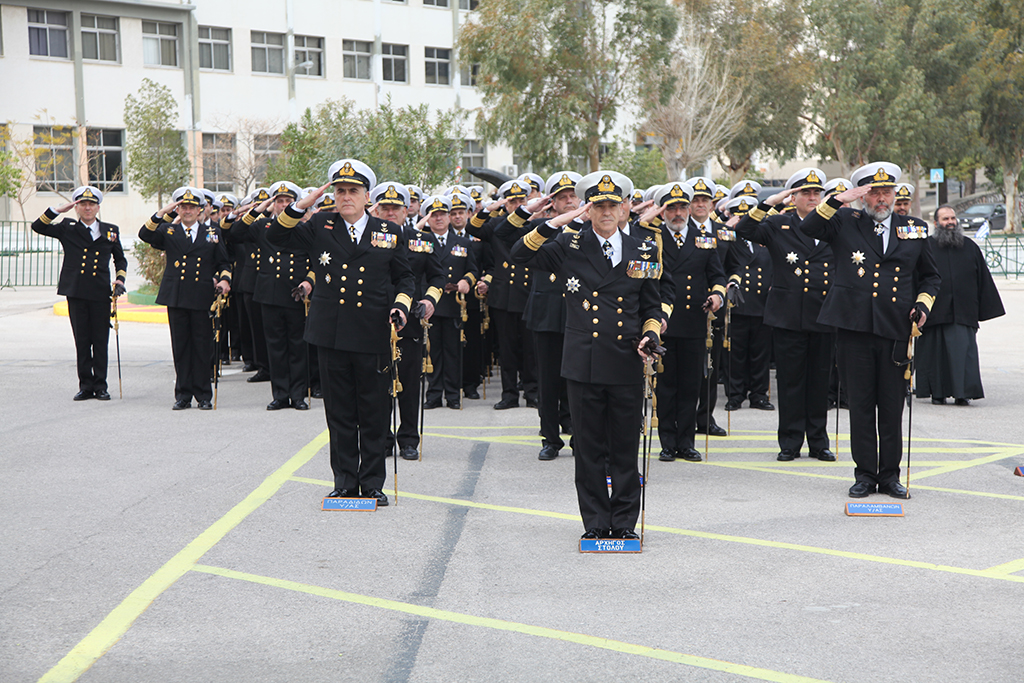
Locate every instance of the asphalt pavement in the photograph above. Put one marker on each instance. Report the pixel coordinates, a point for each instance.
(141, 544)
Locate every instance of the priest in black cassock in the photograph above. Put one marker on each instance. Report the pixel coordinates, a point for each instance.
(947, 352)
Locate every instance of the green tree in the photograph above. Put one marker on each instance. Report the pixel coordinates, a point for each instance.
(644, 166)
(407, 144)
(555, 74)
(157, 159)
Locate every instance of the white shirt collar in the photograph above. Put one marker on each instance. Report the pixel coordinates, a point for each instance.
(359, 225)
(616, 242)
(94, 229)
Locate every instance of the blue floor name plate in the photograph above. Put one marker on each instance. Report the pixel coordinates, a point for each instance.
(874, 509)
(610, 545)
(351, 504)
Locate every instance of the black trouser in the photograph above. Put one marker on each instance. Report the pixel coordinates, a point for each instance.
(90, 325)
(192, 348)
(445, 355)
(802, 361)
(473, 352)
(677, 391)
(552, 393)
(283, 327)
(410, 371)
(747, 362)
(706, 402)
(244, 329)
(356, 406)
(876, 388)
(259, 341)
(606, 432)
(313, 361)
(516, 355)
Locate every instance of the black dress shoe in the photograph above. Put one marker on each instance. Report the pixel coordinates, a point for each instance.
(594, 534)
(382, 499)
(531, 403)
(894, 489)
(689, 454)
(938, 401)
(786, 455)
(625, 534)
(825, 455)
(548, 453)
(316, 393)
(341, 493)
(431, 404)
(104, 395)
(733, 405)
(83, 395)
(667, 455)
(300, 404)
(249, 367)
(762, 404)
(182, 404)
(260, 376)
(409, 453)
(471, 393)
(958, 401)
(862, 489)
(278, 404)
(506, 404)
(205, 405)
(454, 405)
(715, 430)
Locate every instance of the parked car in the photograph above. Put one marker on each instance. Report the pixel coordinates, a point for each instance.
(972, 217)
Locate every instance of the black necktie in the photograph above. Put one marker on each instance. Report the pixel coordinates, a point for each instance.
(879, 230)
(607, 247)
(188, 234)
(441, 240)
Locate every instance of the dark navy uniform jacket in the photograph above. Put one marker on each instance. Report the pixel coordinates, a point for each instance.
(874, 292)
(192, 266)
(277, 271)
(509, 283)
(752, 273)
(696, 271)
(85, 272)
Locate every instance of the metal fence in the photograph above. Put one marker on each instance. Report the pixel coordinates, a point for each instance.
(1004, 255)
(26, 258)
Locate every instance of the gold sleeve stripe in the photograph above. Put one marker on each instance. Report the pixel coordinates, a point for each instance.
(719, 289)
(312, 276)
(657, 222)
(45, 218)
(121, 274)
(225, 274)
(667, 309)
(487, 278)
(570, 231)
(757, 214)
(534, 240)
(926, 299)
(249, 218)
(404, 299)
(736, 277)
(653, 325)
(151, 223)
(825, 210)
(516, 220)
(434, 294)
(471, 278)
(476, 221)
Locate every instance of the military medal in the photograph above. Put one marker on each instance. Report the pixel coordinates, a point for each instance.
(586, 305)
(325, 258)
(573, 285)
(858, 257)
(791, 257)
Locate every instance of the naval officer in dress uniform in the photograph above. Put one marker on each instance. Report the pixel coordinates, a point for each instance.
(885, 278)
(613, 313)
(88, 245)
(197, 270)
(356, 262)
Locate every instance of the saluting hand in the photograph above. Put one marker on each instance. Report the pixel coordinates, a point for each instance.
(853, 193)
(64, 207)
(539, 204)
(167, 209)
(652, 211)
(733, 220)
(566, 218)
(778, 198)
(311, 198)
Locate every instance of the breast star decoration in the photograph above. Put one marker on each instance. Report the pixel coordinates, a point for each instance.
(791, 257)
(572, 284)
(858, 257)
(325, 258)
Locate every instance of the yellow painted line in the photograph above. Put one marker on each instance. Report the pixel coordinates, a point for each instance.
(1008, 567)
(956, 467)
(115, 624)
(515, 627)
(986, 573)
(149, 314)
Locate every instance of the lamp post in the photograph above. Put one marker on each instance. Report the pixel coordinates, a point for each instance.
(292, 106)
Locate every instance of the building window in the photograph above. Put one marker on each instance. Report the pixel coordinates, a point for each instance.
(473, 154)
(104, 150)
(468, 4)
(48, 33)
(468, 74)
(309, 49)
(99, 38)
(215, 48)
(394, 62)
(219, 162)
(356, 58)
(55, 158)
(268, 52)
(159, 43)
(438, 63)
(265, 148)
(436, 3)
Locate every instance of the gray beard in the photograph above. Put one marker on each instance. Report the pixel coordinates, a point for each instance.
(950, 238)
(878, 216)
